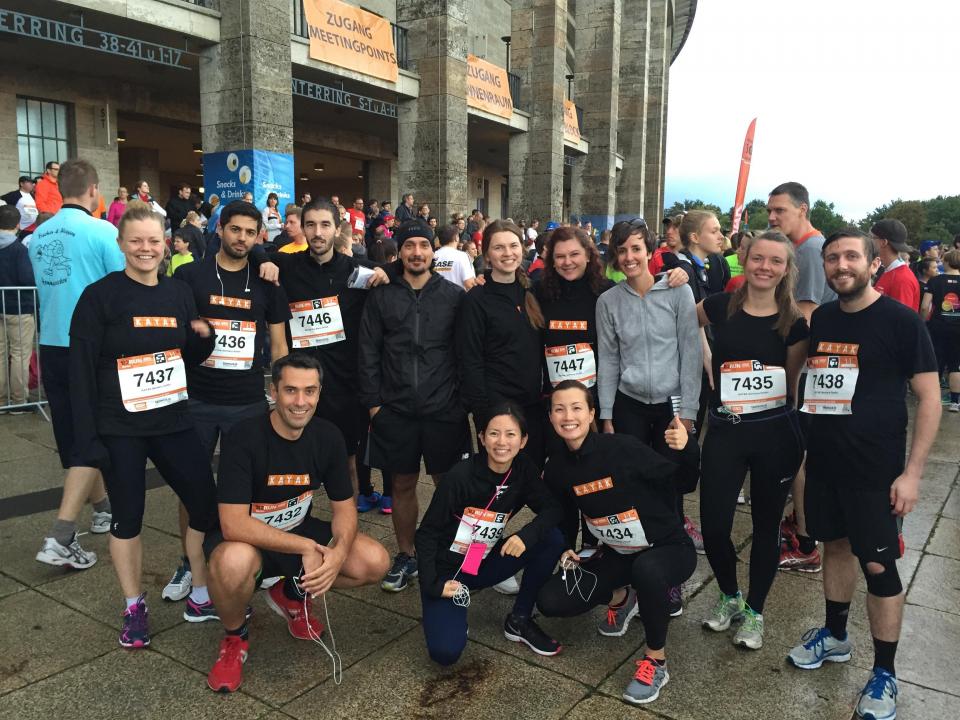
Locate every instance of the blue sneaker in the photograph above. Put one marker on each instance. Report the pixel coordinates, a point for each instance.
(403, 569)
(818, 647)
(878, 700)
(386, 505)
(135, 632)
(199, 612)
(366, 503)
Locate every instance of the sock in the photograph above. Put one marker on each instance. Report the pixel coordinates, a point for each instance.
(807, 544)
(240, 632)
(290, 591)
(657, 662)
(837, 618)
(63, 531)
(955, 397)
(102, 506)
(883, 655)
(200, 595)
(132, 601)
(185, 561)
(621, 603)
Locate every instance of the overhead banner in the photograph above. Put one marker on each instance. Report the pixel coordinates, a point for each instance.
(745, 159)
(571, 124)
(346, 36)
(228, 175)
(488, 88)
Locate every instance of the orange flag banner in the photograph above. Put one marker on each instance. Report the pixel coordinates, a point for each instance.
(745, 159)
(346, 36)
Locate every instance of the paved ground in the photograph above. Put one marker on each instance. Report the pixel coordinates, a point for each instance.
(59, 655)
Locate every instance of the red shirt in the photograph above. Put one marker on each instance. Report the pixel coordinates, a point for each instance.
(734, 283)
(358, 220)
(655, 264)
(901, 284)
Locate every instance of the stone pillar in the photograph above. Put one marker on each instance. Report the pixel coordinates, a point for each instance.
(597, 90)
(245, 99)
(136, 164)
(658, 65)
(632, 118)
(382, 181)
(432, 128)
(539, 57)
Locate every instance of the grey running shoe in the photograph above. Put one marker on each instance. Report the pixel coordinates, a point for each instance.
(403, 569)
(180, 584)
(72, 555)
(647, 682)
(100, 522)
(818, 647)
(878, 700)
(750, 634)
(618, 619)
(726, 610)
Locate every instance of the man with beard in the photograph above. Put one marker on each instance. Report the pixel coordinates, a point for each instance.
(408, 380)
(863, 351)
(325, 320)
(228, 386)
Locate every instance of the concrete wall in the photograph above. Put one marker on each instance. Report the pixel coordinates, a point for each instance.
(487, 22)
(476, 174)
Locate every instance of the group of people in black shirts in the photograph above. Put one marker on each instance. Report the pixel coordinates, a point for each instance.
(584, 396)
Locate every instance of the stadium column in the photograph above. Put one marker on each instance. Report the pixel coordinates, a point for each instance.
(246, 107)
(432, 128)
(632, 108)
(539, 58)
(658, 68)
(596, 90)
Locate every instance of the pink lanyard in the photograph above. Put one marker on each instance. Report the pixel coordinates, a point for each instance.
(496, 494)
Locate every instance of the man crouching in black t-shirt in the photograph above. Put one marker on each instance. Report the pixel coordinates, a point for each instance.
(270, 467)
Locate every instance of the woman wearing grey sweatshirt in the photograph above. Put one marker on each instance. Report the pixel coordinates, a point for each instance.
(649, 350)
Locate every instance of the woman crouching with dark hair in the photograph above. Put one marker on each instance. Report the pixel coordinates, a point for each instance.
(462, 545)
(626, 491)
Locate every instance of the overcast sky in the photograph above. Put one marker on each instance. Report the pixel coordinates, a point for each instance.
(856, 99)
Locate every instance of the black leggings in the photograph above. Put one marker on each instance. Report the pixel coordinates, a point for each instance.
(182, 462)
(653, 573)
(772, 451)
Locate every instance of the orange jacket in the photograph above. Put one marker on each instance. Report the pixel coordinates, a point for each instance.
(101, 207)
(47, 195)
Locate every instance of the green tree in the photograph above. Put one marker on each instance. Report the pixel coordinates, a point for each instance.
(825, 218)
(912, 214)
(680, 207)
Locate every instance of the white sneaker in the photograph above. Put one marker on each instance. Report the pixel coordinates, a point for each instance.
(100, 522)
(510, 586)
(268, 583)
(53, 553)
(180, 584)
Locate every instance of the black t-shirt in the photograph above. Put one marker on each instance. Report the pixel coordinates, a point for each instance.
(313, 290)
(946, 299)
(147, 329)
(867, 447)
(747, 337)
(239, 305)
(274, 476)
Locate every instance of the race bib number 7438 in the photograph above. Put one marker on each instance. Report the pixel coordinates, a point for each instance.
(831, 383)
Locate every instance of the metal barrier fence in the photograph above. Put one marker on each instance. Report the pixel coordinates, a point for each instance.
(19, 352)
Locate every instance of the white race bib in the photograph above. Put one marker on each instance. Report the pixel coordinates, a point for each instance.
(152, 381)
(479, 526)
(316, 322)
(622, 532)
(234, 346)
(748, 386)
(571, 362)
(831, 383)
(284, 515)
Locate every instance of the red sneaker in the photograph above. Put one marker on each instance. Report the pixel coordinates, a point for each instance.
(292, 612)
(788, 527)
(227, 672)
(791, 558)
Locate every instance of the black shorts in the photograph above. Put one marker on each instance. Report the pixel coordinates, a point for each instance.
(835, 510)
(277, 564)
(351, 418)
(213, 422)
(55, 372)
(397, 442)
(946, 343)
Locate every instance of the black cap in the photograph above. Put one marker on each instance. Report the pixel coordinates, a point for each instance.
(893, 231)
(412, 229)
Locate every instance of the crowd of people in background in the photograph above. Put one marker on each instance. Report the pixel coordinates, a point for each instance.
(606, 375)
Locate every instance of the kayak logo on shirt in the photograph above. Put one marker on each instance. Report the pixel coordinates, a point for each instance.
(230, 302)
(278, 480)
(592, 487)
(154, 322)
(835, 348)
(568, 324)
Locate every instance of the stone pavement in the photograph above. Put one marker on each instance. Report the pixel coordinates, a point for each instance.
(59, 656)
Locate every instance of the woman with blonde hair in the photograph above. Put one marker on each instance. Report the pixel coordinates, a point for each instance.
(758, 351)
